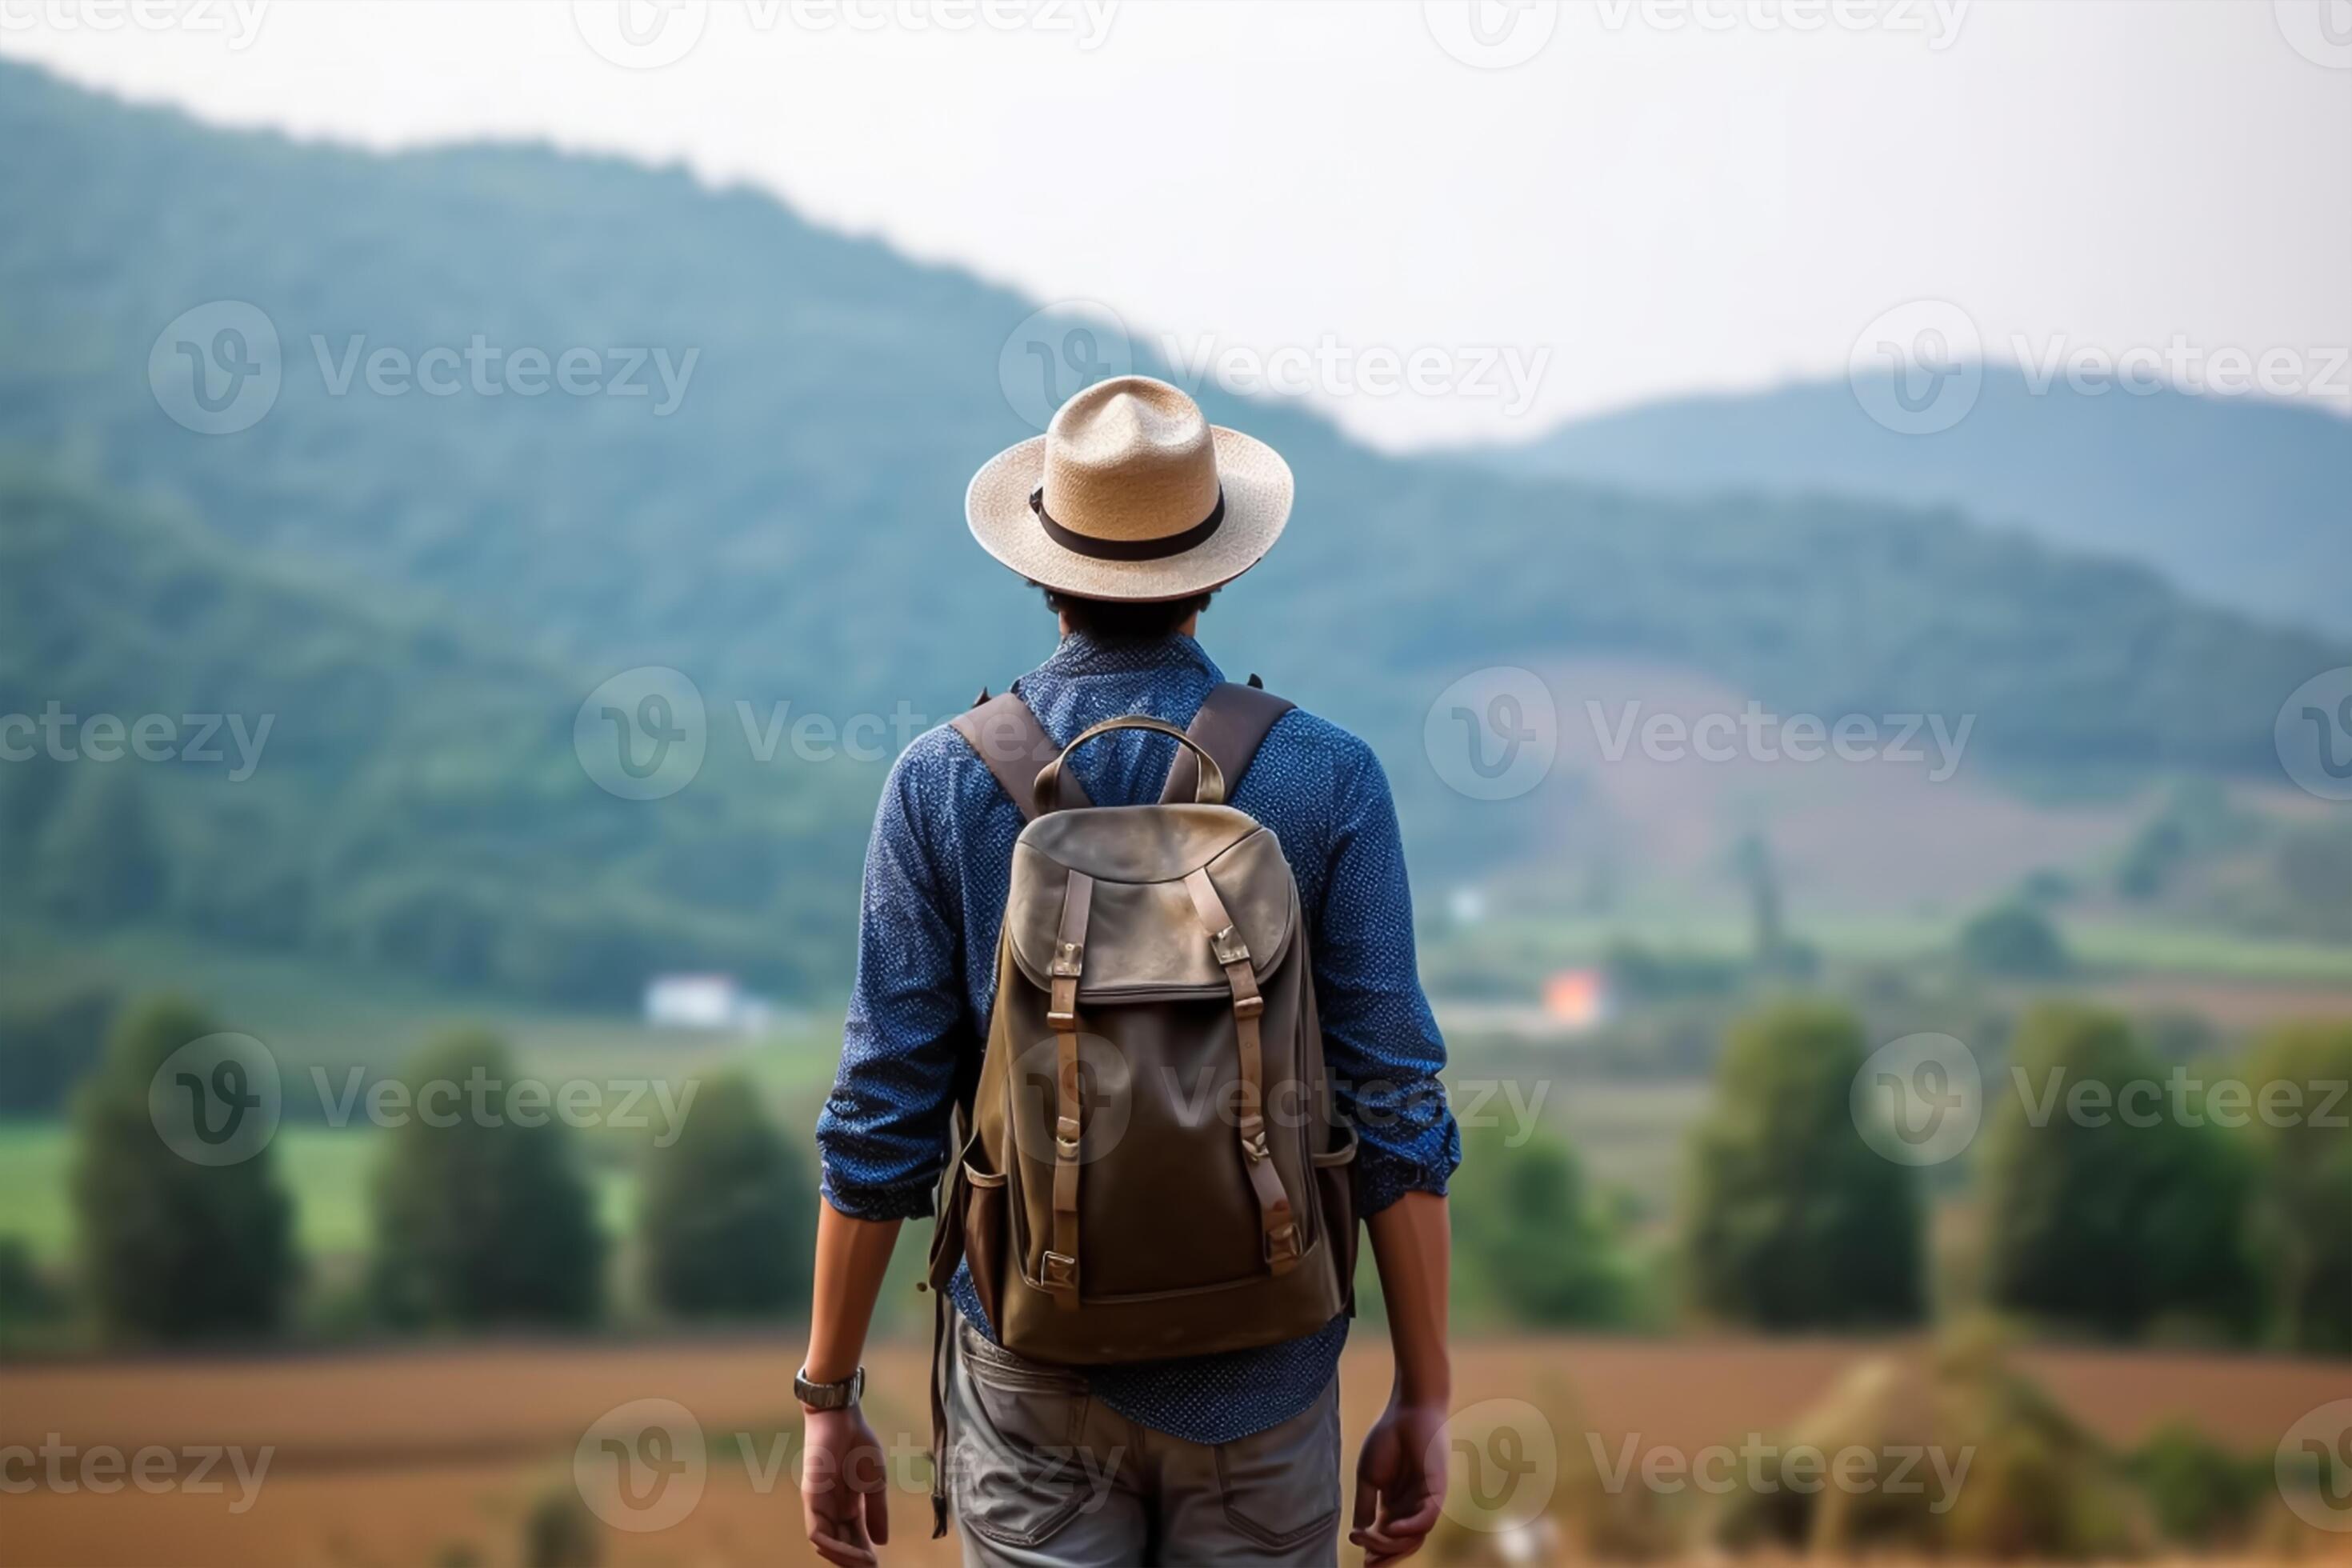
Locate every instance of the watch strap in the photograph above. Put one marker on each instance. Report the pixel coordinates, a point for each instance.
(829, 1395)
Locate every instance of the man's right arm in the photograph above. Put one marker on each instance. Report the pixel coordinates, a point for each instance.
(880, 1141)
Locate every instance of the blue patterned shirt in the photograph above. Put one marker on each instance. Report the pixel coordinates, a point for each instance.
(936, 873)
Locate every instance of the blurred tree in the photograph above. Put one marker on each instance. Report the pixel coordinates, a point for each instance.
(2113, 1203)
(49, 1039)
(485, 1219)
(1751, 860)
(27, 1300)
(560, 1532)
(1791, 1220)
(171, 1250)
(2301, 1107)
(2013, 940)
(2203, 1495)
(2154, 854)
(2313, 870)
(1530, 1246)
(728, 1226)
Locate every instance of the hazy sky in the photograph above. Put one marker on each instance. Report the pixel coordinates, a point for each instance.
(1662, 196)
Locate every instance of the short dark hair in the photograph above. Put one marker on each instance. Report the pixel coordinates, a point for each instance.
(1127, 618)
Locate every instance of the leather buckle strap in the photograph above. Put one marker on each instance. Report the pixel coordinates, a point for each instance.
(1061, 1277)
(1277, 1222)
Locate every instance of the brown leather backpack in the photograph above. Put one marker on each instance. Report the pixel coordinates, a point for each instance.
(1153, 1166)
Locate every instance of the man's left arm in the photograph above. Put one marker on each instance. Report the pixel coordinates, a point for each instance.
(1383, 1053)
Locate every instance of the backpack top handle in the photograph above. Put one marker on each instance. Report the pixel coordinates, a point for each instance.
(1211, 790)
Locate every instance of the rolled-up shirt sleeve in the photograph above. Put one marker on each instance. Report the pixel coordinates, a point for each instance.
(1381, 1047)
(882, 1136)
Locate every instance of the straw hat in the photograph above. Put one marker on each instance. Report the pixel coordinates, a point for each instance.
(1130, 494)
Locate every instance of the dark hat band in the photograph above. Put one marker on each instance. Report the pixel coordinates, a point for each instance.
(1127, 549)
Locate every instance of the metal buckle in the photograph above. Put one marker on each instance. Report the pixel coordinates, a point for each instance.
(1065, 1023)
(1061, 1269)
(1069, 961)
(1255, 1146)
(1067, 1133)
(1281, 1242)
(1228, 946)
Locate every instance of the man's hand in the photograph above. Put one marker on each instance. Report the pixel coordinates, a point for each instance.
(845, 1487)
(1400, 1482)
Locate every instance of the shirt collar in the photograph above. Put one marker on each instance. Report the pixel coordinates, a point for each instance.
(1083, 654)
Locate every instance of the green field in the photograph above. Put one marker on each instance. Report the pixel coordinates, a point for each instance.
(324, 1170)
(2100, 946)
(308, 1011)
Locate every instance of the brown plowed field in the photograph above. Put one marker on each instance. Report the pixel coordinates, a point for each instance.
(397, 1459)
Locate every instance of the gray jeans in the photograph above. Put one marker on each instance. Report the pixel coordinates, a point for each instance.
(1043, 1476)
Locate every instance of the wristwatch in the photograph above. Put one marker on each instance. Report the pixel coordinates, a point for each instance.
(828, 1395)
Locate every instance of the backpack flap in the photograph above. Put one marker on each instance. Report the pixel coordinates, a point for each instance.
(1144, 941)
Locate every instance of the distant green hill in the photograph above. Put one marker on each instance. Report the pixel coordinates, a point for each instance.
(319, 776)
(792, 532)
(2240, 502)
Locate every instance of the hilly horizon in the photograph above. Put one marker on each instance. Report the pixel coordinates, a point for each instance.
(2238, 500)
(789, 530)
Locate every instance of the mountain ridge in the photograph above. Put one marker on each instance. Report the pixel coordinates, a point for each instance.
(2232, 497)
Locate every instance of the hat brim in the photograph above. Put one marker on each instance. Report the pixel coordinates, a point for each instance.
(1258, 490)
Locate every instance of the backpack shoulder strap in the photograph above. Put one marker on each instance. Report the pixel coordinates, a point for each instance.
(1009, 739)
(1231, 723)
